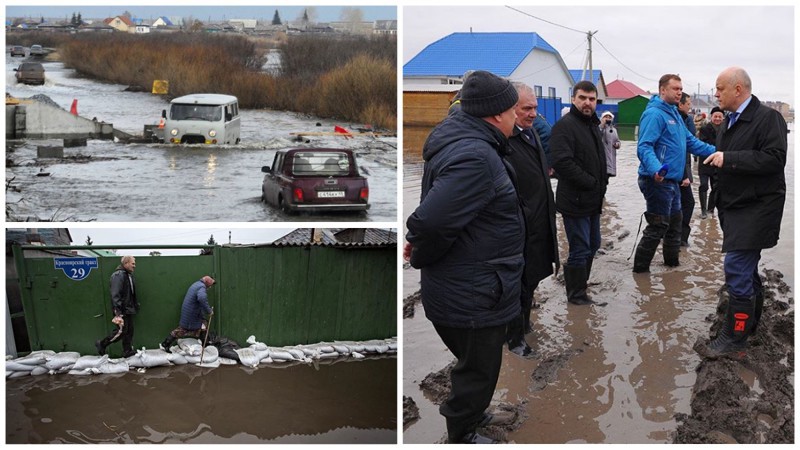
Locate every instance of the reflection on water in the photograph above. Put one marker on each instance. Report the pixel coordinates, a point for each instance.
(633, 368)
(345, 402)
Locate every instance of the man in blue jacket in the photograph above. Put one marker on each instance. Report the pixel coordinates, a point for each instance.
(195, 304)
(752, 193)
(663, 143)
(467, 237)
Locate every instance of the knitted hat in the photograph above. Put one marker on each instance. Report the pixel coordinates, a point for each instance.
(485, 94)
(716, 109)
(607, 113)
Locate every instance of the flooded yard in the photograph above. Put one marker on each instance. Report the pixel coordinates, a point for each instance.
(347, 402)
(108, 181)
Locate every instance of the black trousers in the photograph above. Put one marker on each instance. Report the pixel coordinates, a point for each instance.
(517, 327)
(474, 377)
(126, 334)
(687, 207)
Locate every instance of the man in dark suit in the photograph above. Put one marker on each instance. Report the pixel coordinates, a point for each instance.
(750, 162)
(526, 155)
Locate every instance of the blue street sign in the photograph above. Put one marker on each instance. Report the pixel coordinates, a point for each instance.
(76, 268)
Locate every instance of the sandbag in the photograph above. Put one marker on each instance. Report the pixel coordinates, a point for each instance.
(250, 357)
(277, 354)
(297, 353)
(134, 361)
(213, 364)
(80, 372)
(18, 375)
(154, 358)
(88, 361)
(227, 361)
(14, 366)
(61, 360)
(178, 359)
(190, 346)
(210, 355)
(39, 370)
(115, 366)
(255, 345)
(328, 355)
(35, 358)
(357, 355)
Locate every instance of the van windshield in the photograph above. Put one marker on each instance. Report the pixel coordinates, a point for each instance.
(211, 113)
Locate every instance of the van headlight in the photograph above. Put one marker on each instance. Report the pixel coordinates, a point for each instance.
(174, 132)
(212, 133)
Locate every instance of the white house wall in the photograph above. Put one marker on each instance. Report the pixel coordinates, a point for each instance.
(544, 69)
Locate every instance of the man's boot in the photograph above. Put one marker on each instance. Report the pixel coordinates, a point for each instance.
(515, 337)
(167, 343)
(575, 281)
(732, 336)
(651, 236)
(101, 346)
(703, 204)
(672, 240)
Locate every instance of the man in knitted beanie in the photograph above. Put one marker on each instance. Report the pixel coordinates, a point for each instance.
(467, 238)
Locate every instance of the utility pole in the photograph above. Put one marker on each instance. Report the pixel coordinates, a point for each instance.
(589, 35)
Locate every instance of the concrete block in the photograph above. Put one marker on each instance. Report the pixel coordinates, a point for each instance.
(74, 142)
(49, 151)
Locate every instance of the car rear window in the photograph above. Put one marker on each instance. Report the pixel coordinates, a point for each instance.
(32, 67)
(321, 164)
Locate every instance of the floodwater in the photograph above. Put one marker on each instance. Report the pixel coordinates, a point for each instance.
(348, 402)
(628, 367)
(107, 181)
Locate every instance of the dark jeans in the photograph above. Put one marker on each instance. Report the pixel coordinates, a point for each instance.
(479, 352)
(125, 333)
(583, 235)
(741, 272)
(663, 199)
(687, 207)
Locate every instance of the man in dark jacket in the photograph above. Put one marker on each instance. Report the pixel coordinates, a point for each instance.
(707, 173)
(526, 155)
(195, 304)
(124, 305)
(467, 237)
(752, 192)
(687, 197)
(580, 162)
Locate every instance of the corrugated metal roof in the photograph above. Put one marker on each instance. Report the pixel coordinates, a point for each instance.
(576, 75)
(623, 89)
(499, 53)
(338, 237)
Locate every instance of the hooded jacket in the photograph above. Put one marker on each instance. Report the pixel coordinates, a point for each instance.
(752, 185)
(467, 234)
(663, 138)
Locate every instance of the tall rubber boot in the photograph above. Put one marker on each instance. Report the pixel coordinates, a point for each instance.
(167, 343)
(672, 240)
(651, 236)
(575, 281)
(712, 200)
(759, 305)
(738, 325)
(703, 204)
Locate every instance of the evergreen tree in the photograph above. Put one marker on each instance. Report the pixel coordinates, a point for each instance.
(80, 20)
(208, 251)
(276, 19)
(89, 241)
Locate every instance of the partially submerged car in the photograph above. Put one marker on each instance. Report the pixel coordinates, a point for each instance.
(17, 50)
(30, 73)
(315, 179)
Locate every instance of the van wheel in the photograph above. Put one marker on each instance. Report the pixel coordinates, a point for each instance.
(238, 140)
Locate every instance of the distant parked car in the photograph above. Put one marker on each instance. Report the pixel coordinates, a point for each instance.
(17, 50)
(30, 73)
(315, 179)
(37, 50)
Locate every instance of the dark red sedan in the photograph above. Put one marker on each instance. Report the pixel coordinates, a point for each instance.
(315, 179)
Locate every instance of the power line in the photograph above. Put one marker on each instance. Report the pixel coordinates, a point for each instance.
(547, 21)
(623, 64)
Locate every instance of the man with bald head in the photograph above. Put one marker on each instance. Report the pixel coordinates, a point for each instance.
(195, 304)
(750, 161)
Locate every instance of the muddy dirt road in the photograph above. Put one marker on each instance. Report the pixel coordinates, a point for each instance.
(614, 374)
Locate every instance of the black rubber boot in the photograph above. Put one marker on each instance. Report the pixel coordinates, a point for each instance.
(759, 306)
(672, 241)
(101, 346)
(167, 343)
(651, 237)
(703, 204)
(738, 325)
(575, 281)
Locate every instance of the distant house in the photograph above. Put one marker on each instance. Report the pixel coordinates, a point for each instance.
(245, 25)
(384, 27)
(121, 23)
(141, 29)
(339, 237)
(162, 21)
(619, 90)
(99, 26)
(596, 79)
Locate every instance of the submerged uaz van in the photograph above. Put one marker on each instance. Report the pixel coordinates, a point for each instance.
(202, 119)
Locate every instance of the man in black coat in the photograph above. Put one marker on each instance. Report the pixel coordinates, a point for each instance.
(750, 163)
(707, 173)
(687, 198)
(579, 159)
(526, 155)
(467, 237)
(124, 305)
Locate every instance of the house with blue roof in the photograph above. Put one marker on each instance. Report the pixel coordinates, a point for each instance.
(432, 77)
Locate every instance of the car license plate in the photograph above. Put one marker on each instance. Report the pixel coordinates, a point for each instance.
(330, 194)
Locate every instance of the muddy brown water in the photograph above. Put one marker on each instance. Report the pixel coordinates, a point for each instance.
(344, 402)
(616, 374)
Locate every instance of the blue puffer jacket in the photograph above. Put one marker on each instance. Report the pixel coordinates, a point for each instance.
(467, 234)
(195, 303)
(663, 138)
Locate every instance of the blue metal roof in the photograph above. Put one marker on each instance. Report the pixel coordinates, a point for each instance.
(576, 75)
(452, 55)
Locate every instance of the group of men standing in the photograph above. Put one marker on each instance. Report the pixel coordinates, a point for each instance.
(125, 305)
(484, 233)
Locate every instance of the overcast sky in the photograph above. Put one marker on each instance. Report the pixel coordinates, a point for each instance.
(223, 11)
(170, 236)
(695, 42)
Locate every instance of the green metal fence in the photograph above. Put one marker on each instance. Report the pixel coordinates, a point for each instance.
(282, 295)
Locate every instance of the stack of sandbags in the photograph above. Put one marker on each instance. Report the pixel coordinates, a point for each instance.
(32, 364)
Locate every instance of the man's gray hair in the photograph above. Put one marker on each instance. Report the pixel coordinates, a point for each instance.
(522, 87)
(127, 259)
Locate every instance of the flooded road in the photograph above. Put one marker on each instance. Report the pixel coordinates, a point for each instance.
(347, 402)
(616, 374)
(108, 181)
